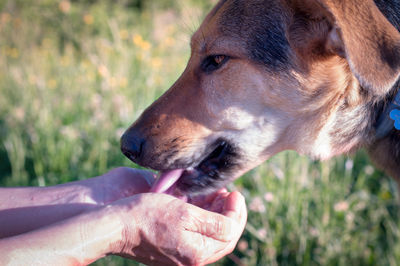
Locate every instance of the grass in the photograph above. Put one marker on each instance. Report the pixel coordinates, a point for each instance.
(74, 75)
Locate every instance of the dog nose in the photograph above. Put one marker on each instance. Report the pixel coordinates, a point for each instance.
(132, 145)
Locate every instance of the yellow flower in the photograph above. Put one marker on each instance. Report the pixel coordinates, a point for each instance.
(123, 82)
(156, 63)
(65, 61)
(113, 82)
(102, 70)
(85, 63)
(88, 19)
(169, 41)
(5, 18)
(140, 42)
(124, 34)
(64, 6)
(137, 39)
(12, 52)
(32, 79)
(52, 83)
(146, 46)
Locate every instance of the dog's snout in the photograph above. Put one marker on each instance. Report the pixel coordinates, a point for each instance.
(132, 145)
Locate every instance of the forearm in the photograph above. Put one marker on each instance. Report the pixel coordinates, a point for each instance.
(76, 241)
(22, 220)
(118, 183)
(76, 192)
(26, 209)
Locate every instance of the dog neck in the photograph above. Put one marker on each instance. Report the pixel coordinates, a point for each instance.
(384, 150)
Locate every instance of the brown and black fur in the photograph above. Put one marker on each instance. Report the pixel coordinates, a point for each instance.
(302, 70)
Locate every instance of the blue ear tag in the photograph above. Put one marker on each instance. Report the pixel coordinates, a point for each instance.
(395, 115)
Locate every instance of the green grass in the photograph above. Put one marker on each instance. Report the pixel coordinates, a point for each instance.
(74, 76)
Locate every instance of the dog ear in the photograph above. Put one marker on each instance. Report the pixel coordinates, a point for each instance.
(353, 29)
(370, 43)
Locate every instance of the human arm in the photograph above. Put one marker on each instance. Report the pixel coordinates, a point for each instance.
(118, 183)
(156, 229)
(28, 208)
(78, 240)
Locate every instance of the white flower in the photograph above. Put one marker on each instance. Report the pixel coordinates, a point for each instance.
(349, 164)
(269, 197)
(341, 206)
(262, 233)
(314, 232)
(257, 205)
(70, 132)
(243, 245)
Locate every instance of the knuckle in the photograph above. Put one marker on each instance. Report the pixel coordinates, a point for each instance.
(219, 226)
(184, 217)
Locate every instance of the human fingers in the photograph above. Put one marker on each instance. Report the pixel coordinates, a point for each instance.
(121, 183)
(138, 180)
(228, 204)
(206, 201)
(222, 227)
(235, 208)
(147, 176)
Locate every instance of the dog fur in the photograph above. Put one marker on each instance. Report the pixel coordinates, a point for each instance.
(271, 75)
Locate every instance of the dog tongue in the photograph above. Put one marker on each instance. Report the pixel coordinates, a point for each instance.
(166, 181)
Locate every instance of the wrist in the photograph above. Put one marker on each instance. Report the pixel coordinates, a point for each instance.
(88, 191)
(128, 236)
(75, 192)
(103, 231)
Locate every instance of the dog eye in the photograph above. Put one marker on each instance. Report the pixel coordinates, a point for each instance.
(213, 62)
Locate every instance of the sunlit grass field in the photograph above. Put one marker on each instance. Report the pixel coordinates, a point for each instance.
(75, 74)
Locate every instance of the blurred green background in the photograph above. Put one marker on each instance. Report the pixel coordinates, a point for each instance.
(75, 74)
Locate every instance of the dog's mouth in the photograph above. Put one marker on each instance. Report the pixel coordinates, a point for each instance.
(210, 174)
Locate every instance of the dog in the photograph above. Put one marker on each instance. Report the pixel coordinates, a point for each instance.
(320, 77)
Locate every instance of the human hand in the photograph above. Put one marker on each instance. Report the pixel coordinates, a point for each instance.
(159, 229)
(119, 183)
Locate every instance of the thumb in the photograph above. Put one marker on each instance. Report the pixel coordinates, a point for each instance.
(235, 207)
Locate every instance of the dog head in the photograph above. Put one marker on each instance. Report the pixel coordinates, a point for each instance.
(266, 76)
